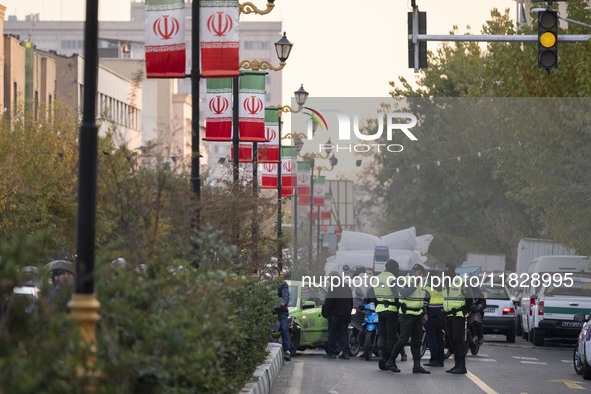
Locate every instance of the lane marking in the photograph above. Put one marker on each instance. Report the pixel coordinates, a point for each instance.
(525, 358)
(571, 384)
(533, 362)
(567, 361)
(483, 386)
(297, 377)
(492, 360)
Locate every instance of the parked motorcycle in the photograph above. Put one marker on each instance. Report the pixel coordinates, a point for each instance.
(370, 330)
(356, 332)
(474, 318)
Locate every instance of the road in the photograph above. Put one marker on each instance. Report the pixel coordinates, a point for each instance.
(498, 368)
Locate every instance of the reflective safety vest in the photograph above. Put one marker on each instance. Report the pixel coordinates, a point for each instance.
(415, 301)
(383, 293)
(454, 301)
(436, 297)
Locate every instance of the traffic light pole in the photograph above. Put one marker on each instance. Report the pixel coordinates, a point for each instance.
(498, 38)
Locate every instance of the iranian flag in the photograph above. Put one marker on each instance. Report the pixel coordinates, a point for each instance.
(304, 179)
(286, 192)
(244, 152)
(218, 111)
(165, 38)
(319, 191)
(268, 175)
(251, 116)
(268, 152)
(219, 38)
(325, 209)
(289, 167)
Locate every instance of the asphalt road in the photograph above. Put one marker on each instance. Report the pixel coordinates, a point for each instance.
(498, 368)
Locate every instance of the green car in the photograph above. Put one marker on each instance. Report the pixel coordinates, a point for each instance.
(307, 328)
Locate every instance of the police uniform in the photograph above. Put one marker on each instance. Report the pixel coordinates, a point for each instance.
(387, 315)
(411, 311)
(456, 309)
(434, 327)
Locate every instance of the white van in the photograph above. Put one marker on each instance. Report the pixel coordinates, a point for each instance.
(541, 265)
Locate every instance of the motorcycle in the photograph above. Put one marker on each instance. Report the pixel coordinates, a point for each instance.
(472, 322)
(370, 330)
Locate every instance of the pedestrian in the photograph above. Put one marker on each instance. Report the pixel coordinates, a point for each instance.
(476, 315)
(435, 326)
(455, 307)
(337, 310)
(62, 278)
(283, 312)
(413, 315)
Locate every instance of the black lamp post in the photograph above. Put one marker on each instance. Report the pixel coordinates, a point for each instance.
(301, 96)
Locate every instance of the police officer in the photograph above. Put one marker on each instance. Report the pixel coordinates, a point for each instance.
(412, 317)
(455, 300)
(387, 311)
(435, 326)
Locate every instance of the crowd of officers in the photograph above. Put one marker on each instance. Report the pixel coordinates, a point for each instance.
(402, 312)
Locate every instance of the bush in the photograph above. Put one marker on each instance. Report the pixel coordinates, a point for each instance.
(167, 329)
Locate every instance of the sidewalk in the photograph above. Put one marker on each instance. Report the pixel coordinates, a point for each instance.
(267, 372)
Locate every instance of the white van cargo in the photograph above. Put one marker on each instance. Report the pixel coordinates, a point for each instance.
(541, 265)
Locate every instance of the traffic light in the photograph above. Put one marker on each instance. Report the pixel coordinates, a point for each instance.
(547, 39)
(421, 29)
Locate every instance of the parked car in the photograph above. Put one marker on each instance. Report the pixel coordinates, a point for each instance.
(499, 314)
(555, 306)
(530, 294)
(305, 308)
(582, 353)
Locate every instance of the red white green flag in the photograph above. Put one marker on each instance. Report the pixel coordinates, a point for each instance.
(325, 209)
(304, 178)
(251, 116)
(219, 38)
(319, 191)
(289, 167)
(165, 38)
(244, 153)
(268, 152)
(268, 175)
(218, 111)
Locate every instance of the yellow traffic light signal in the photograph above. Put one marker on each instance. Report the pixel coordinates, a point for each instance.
(547, 39)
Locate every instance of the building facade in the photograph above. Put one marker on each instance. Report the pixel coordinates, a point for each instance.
(123, 42)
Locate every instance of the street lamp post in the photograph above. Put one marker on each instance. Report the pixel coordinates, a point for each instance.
(333, 162)
(300, 96)
(84, 304)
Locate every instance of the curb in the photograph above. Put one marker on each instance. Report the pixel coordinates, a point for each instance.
(267, 372)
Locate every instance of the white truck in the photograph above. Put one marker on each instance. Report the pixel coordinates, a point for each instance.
(530, 248)
(488, 262)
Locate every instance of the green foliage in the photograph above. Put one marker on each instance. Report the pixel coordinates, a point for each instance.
(168, 328)
(181, 331)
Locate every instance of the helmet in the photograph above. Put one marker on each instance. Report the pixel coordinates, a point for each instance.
(119, 262)
(57, 266)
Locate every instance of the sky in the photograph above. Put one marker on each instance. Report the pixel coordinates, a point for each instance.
(342, 48)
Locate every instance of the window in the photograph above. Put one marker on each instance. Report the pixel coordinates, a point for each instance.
(256, 45)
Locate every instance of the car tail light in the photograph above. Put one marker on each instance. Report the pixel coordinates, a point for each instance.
(508, 311)
(541, 308)
(532, 302)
